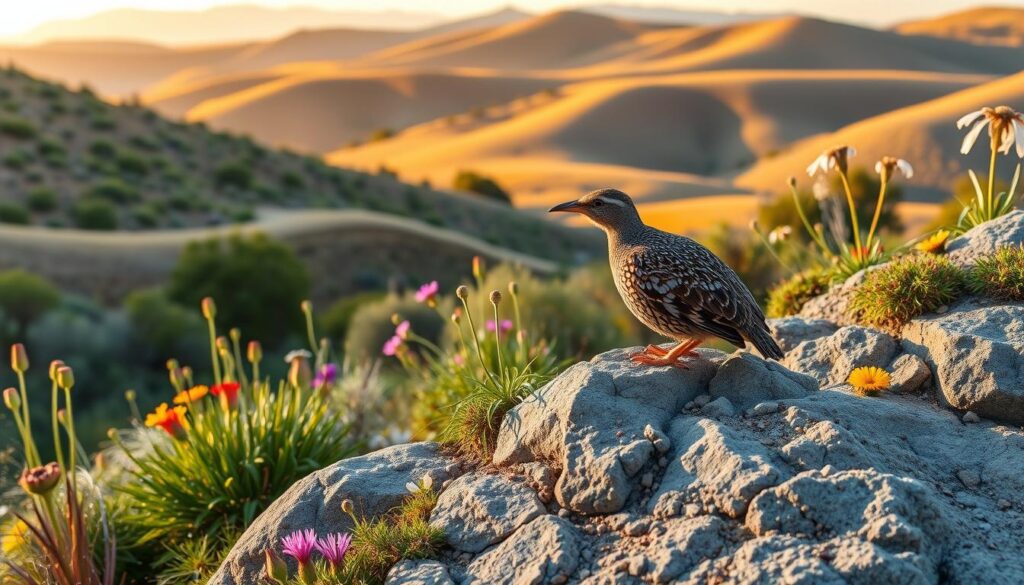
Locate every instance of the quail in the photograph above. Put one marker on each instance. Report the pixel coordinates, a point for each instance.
(673, 285)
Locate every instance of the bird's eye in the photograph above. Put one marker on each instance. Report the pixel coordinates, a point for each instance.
(598, 203)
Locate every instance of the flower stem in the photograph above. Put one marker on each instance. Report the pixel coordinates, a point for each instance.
(991, 177)
(853, 211)
(476, 342)
(213, 350)
(878, 210)
(31, 452)
(72, 441)
(497, 337)
(56, 428)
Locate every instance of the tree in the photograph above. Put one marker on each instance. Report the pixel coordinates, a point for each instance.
(24, 297)
(258, 284)
(476, 183)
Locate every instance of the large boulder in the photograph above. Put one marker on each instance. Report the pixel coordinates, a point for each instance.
(976, 352)
(478, 510)
(986, 238)
(830, 359)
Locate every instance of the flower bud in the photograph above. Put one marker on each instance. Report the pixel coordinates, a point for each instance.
(12, 399)
(495, 297)
(172, 364)
(222, 343)
(346, 506)
(129, 395)
(306, 306)
(19, 358)
(186, 372)
(62, 416)
(65, 377)
(113, 434)
(177, 378)
(54, 366)
(513, 288)
(456, 317)
(478, 268)
(236, 334)
(395, 318)
(209, 308)
(254, 352)
(40, 480)
(753, 225)
(462, 292)
(791, 182)
(300, 375)
(277, 569)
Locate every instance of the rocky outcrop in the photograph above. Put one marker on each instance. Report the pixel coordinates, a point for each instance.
(986, 238)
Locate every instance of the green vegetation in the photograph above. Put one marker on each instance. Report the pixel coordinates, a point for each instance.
(789, 297)
(1001, 275)
(42, 199)
(476, 183)
(14, 213)
(905, 288)
(95, 214)
(24, 298)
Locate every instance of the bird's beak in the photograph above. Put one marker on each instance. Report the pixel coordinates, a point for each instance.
(570, 206)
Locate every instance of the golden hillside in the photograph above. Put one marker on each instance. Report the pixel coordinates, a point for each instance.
(990, 25)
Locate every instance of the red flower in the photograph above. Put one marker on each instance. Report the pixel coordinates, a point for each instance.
(171, 420)
(229, 390)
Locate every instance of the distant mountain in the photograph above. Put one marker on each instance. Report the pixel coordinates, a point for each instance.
(499, 17)
(667, 15)
(988, 25)
(221, 24)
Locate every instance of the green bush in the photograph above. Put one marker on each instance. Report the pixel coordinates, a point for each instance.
(789, 297)
(897, 292)
(1000, 275)
(14, 213)
(42, 199)
(476, 183)
(251, 277)
(17, 159)
(131, 163)
(371, 325)
(113, 190)
(146, 215)
(95, 214)
(25, 297)
(17, 127)
(339, 315)
(160, 323)
(103, 148)
(233, 174)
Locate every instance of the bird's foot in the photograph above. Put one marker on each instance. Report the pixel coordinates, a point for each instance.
(658, 351)
(646, 359)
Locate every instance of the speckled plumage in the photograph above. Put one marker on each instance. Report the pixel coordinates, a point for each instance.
(674, 285)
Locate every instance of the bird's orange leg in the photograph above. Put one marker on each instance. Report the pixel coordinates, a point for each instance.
(667, 358)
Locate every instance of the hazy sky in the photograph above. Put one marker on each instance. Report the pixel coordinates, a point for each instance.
(21, 16)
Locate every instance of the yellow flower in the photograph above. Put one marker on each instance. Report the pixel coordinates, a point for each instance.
(869, 381)
(191, 395)
(172, 420)
(934, 243)
(15, 538)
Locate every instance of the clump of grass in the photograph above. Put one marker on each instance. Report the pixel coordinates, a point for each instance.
(905, 288)
(1001, 275)
(790, 296)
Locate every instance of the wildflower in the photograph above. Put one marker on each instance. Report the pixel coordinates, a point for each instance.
(934, 243)
(327, 375)
(17, 538)
(191, 395)
(836, 157)
(299, 374)
(19, 358)
(1005, 129)
(299, 545)
(334, 547)
(40, 480)
(424, 484)
(780, 234)
(227, 389)
(459, 360)
(346, 506)
(428, 293)
(254, 352)
(209, 308)
(402, 330)
(888, 164)
(869, 381)
(12, 399)
(294, 354)
(500, 328)
(479, 272)
(65, 377)
(171, 420)
(277, 570)
(462, 292)
(391, 346)
(54, 366)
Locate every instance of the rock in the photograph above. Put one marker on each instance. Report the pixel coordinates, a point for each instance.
(541, 551)
(419, 573)
(826, 443)
(971, 417)
(831, 359)
(909, 374)
(684, 544)
(479, 510)
(702, 400)
(899, 515)
(374, 482)
(578, 417)
(969, 478)
(746, 379)
(763, 408)
(718, 408)
(659, 439)
(790, 332)
(986, 238)
(833, 305)
(977, 355)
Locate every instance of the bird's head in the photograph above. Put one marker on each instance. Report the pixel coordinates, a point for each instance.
(610, 209)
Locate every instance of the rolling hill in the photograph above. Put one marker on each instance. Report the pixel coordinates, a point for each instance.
(987, 25)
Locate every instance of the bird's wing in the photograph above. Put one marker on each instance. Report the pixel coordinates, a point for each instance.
(692, 284)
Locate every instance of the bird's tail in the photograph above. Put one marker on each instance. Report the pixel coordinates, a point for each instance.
(763, 341)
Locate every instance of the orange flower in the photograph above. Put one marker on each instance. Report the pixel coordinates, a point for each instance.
(934, 243)
(229, 390)
(191, 395)
(171, 420)
(869, 380)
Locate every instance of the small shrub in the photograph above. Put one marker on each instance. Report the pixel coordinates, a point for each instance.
(476, 183)
(17, 127)
(146, 215)
(17, 159)
(132, 164)
(113, 190)
(907, 287)
(789, 297)
(95, 214)
(370, 325)
(292, 180)
(160, 323)
(233, 174)
(338, 316)
(1001, 275)
(102, 148)
(42, 199)
(13, 213)
(25, 297)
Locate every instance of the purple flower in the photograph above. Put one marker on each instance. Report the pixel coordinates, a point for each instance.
(402, 331)
(505, 326)
(327, 375)
(299, 545)
(391, 346)
(334, 547)
(427, 293)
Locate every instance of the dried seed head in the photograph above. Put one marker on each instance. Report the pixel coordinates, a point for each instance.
(40, 480)
(495, 297)
(462, 292)
(791, 182)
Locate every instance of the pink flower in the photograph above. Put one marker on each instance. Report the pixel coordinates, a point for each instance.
(392, 345)
(505, 326)
(402, 331)
(458, 359)
(334, 547)
(427, 293)
(299, 545)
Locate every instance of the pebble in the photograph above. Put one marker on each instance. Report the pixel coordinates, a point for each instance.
(584, 574)
(559, 579)
(763, 408)
(563, 513)
(968, 478)
(647, 479)
(692, 510)
(689, 405)
(702, 399)
(636, 566)
(638, 527)
(1003, 504)
(971, 417)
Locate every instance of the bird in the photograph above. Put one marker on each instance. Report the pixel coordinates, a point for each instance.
(672, 284)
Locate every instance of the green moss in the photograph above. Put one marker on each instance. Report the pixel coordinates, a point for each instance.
(913, 285)
(1001, 275)
(789, 297)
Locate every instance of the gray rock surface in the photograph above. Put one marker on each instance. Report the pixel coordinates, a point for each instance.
(419, 573)
(830, 359)
(541, 552)
(790, 332)
(478, 510)
(987, 238)
(833, 305)
(746, 379)
(976, 352)
(375, 483)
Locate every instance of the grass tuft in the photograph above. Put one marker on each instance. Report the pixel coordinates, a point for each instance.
(905, 288)
(1001, 275)
(789, 297)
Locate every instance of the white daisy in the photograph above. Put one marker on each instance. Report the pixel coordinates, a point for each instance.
(836, 157)
(1002, 122)
(886, 166)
